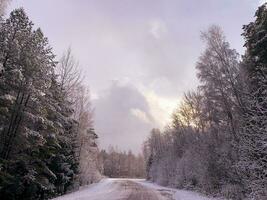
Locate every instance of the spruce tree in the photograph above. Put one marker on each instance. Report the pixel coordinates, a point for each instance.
(36, 129)
(253, 138)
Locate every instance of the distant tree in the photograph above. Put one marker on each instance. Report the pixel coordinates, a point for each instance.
(121, 164)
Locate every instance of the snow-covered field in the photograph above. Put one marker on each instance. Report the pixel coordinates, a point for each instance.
(130, 189)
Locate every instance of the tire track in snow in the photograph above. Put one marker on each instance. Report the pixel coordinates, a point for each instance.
(139, 192)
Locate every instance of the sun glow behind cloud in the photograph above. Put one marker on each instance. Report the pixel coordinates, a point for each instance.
(161, 108)
(140, 114)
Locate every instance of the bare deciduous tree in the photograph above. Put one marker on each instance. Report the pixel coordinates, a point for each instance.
(69, 74)
(70, 79)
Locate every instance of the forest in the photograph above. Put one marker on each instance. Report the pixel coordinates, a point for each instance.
(118, 164)
(216, 142)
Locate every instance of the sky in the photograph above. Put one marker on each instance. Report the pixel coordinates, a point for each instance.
(137, 56)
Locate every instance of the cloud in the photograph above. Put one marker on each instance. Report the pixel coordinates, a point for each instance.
(122, 117)
(140, 114)
(157, 28)
(126, 112)
(161, 108)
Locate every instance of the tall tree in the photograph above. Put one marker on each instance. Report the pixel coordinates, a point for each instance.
(222, 88)
(253, 160)
(218, 71)
(70, 80)
(37, 158)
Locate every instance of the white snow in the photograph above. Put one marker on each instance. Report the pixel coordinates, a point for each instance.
(111, 189)
(107, 189)
(177, 194)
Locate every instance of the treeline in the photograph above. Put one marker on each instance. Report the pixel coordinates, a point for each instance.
(118, 164)
(47, 141)
(217, 140)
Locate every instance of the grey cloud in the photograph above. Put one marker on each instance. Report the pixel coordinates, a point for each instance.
(114, 121)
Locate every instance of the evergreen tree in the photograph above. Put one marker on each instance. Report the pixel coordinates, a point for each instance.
(253, 138)
(37, 150)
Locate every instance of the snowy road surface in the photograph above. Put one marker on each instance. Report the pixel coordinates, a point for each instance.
(130, 189)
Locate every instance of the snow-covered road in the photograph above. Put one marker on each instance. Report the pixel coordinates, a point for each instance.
(130, 189)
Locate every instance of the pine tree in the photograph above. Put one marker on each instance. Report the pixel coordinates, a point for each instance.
(253, 138)
(64, 161)
(37, 131)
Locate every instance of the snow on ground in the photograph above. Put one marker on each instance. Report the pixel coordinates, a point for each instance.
(175, 193)
(130, 189)
(108, 189)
